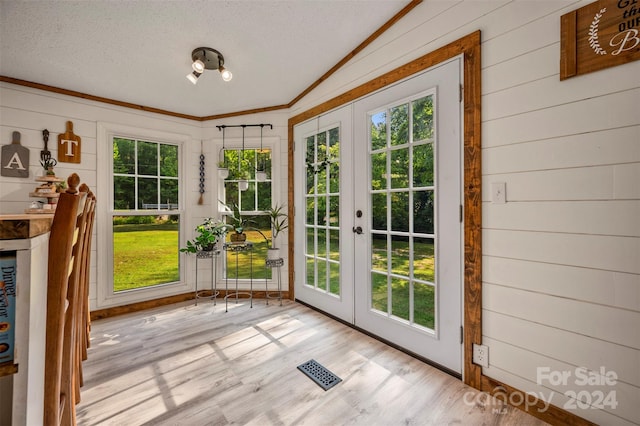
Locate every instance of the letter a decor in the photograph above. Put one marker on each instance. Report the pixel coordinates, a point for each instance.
(69, 146)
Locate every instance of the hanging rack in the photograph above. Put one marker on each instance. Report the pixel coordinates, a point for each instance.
(260, 173)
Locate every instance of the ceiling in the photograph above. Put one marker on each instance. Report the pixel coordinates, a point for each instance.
(140, 51)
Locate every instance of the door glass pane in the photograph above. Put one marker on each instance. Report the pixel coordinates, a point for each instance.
(379, 211)
(400, 292)
(400, 168)
(424, 305)
(399, 125)
(379, 252)
(423, 165)
(423, 208)
(400, 211)
(379, 171)
(424, 267)
(422, 118)
(334, 278)
(322, 210)
(378, 130)
(379, 295)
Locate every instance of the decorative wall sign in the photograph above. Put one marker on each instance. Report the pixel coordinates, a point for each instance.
(14, 160)
(599, 35)
(69, 146)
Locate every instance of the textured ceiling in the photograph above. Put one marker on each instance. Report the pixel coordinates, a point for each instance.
(140, 51)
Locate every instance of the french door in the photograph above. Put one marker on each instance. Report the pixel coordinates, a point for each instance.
(393, 224)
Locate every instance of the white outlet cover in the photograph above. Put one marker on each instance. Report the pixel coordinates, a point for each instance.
(499, 192)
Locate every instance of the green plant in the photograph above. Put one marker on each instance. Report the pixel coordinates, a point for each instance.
(48, 164)
(209, 232)
(278, 218)
(235, 220)
(222, 164)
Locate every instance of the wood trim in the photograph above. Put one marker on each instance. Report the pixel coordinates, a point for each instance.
(472, 212)
(408, 8)
(568, 47)
(169, 300)
(515, 397)
(94, 98)
(430, 59)
(244, 112)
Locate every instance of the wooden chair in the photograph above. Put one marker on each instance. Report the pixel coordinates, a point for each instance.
(82, 324)
(65, 247)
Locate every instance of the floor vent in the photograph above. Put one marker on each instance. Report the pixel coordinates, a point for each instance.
(316, 372)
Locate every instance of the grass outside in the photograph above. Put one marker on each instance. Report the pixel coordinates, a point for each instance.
(144, 255)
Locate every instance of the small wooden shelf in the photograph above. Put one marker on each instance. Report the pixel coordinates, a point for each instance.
(48, 179)
(8, 368)
(39, 194)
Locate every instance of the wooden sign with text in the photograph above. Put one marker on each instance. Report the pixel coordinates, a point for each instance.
(599, 35)
(69, 146)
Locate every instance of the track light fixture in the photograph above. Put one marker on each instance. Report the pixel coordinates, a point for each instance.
(206, 58)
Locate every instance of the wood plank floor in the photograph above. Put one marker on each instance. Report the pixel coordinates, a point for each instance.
(188, 365)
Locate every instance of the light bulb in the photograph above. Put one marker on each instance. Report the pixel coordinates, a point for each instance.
(193, 77)
(198, 66)
(226, 74)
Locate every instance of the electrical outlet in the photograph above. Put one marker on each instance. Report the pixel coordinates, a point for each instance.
(481, 355)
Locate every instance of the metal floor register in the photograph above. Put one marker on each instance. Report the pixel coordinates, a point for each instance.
(316, 372)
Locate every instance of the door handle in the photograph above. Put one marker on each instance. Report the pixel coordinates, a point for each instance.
(357, 229)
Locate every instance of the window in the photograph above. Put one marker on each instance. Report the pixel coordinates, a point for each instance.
(145, 213)
(252, 203)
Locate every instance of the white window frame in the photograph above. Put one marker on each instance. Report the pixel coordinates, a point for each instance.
(106, 297)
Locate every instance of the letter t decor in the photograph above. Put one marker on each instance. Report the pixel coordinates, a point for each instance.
(69, 146)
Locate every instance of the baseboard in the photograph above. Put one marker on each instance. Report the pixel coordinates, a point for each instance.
(548, 413)
(154, 303)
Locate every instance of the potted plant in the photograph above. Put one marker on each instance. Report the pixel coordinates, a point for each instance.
(223, 170)
(278, 219)
(238, 223)
(243, 180)
(209, 232)
(48, 164)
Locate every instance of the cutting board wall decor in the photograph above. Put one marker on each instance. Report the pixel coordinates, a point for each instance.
(69, 146)
(14, 159)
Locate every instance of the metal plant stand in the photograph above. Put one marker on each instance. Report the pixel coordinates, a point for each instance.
(274, 263)
(237, 248)
(213, 255)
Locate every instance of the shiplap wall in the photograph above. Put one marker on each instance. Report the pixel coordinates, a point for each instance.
(561, 259)
(29, 111)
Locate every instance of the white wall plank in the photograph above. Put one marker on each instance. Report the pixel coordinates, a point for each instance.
(613, 217)
(585, 116)
(574, 349)
(605, 323)
(590, 251)
(615, 289)
(614, 146)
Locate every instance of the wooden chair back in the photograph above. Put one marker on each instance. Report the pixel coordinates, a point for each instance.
(65, 247)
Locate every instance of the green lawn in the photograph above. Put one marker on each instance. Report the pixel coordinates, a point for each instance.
(144, 255)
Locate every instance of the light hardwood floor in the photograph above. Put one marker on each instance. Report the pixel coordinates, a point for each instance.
(188, 365)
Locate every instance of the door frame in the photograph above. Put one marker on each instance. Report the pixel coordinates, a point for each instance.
(469, 48)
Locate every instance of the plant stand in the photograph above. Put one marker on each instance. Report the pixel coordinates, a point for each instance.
(237, 248)
(47, 190)
(213, 255)
(274, 263)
